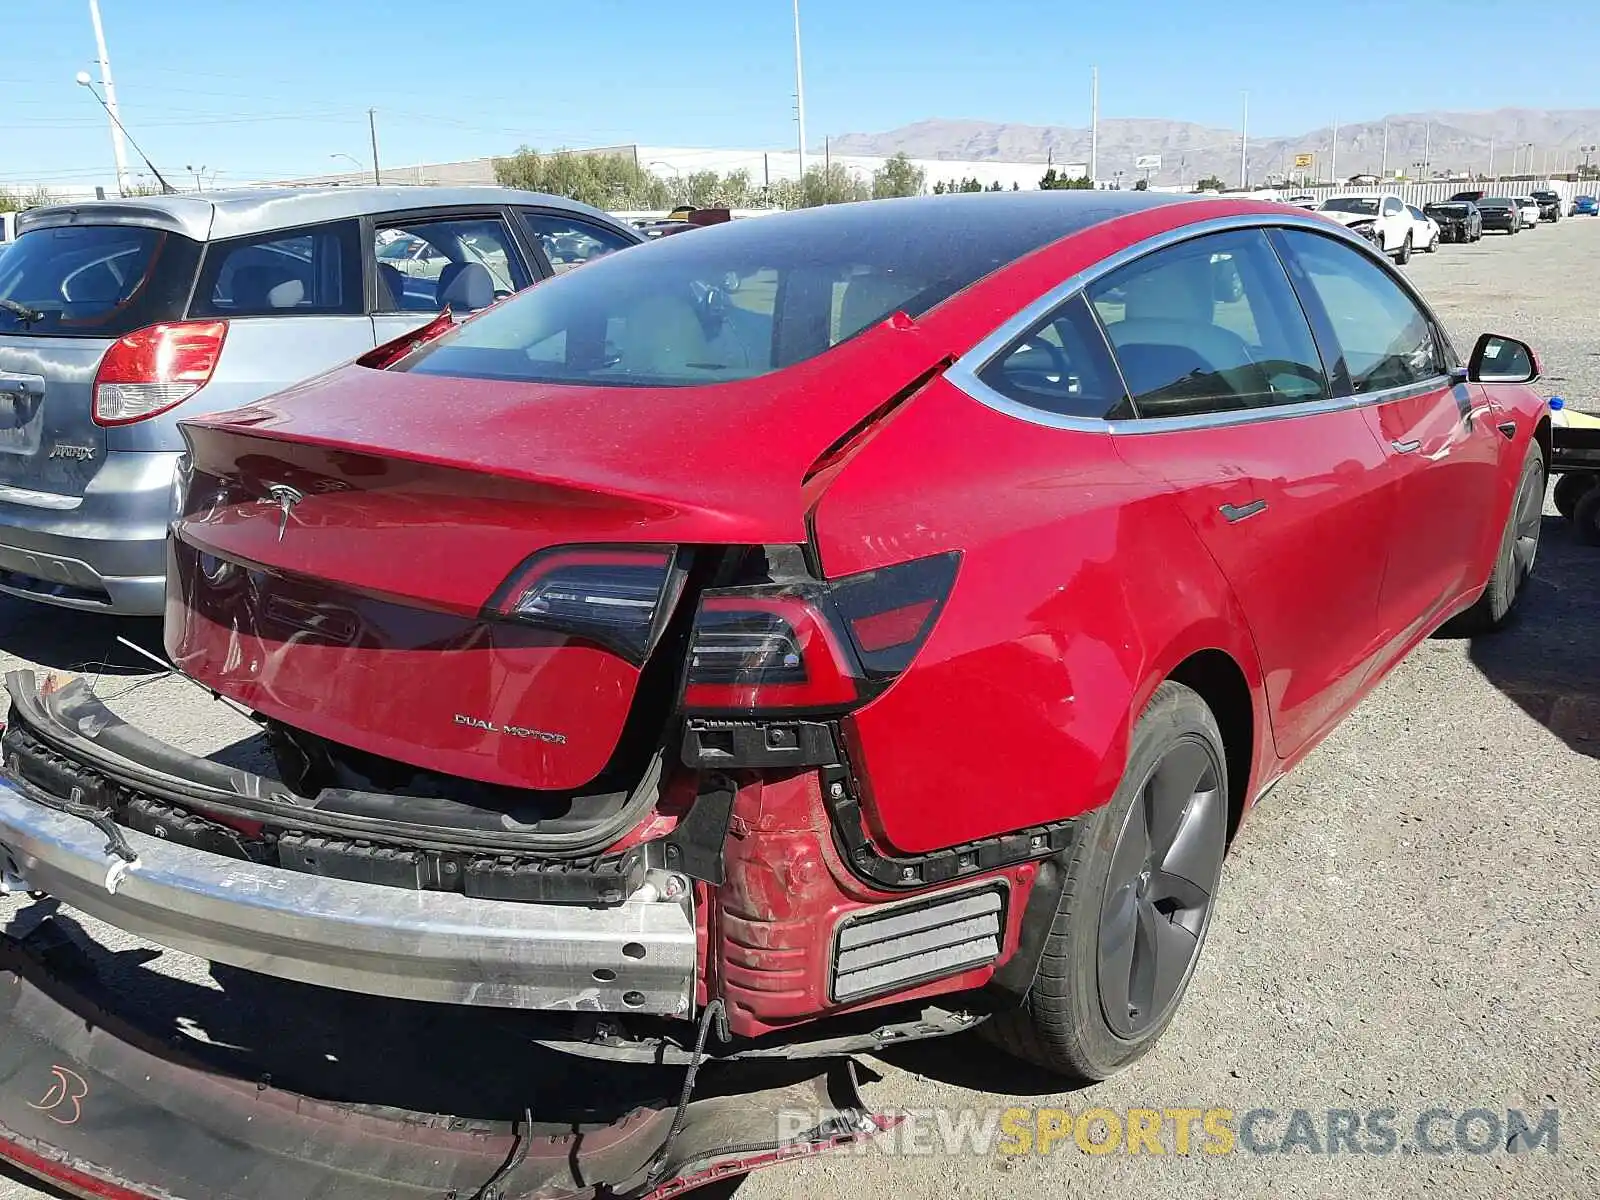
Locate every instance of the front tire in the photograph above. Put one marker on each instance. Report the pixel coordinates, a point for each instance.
(1519, 547)
(1570, 488)
(1141, 879)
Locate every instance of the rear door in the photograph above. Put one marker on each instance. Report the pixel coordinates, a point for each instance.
(73, 290)
(567, 240)
(1283, 484)
(422, 263)
(294, 306)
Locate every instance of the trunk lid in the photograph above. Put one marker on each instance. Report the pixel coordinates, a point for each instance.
(364, 605)
(48, 439)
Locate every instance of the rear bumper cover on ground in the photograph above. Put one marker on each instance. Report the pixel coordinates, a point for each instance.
(638, 956)
(109, 1105)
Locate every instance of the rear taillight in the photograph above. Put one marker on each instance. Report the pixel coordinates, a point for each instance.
(814, 646)
(154, 368)
(617, 597)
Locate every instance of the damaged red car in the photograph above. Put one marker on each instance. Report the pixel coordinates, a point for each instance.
(856, 625)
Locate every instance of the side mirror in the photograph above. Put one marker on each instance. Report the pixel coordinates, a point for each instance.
(1500, 359)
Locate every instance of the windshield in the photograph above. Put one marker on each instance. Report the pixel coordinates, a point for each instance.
(1365, 205)
(1546, 197)
(94, 280)
(731, 302)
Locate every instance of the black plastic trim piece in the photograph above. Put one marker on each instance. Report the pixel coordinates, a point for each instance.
(769, 744)
(695, 847)
(1013, 979)
(907, 871)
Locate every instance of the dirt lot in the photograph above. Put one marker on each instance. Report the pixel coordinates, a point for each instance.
(1407, 922)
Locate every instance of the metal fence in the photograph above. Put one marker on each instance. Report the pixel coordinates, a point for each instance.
(1420, 194)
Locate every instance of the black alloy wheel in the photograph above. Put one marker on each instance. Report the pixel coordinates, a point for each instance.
(1519, 549)
(1160, 888)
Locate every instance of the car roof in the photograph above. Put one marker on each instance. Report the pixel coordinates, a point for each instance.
(230, 213)
(1032, 218)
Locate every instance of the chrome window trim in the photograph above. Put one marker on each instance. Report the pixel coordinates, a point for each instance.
(963, 373)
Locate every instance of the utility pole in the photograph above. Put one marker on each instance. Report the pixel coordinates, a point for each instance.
(1491, 159)
(1333, 158)
(1427, 150)
(799, 91)
(117, 147)
(1383, 169)
(1244, 142)
(827, 155)
(1094, 126)
(372, 128)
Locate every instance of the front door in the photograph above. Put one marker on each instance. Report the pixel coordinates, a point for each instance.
(423, 265)
(1439, 434)
(1284, 485)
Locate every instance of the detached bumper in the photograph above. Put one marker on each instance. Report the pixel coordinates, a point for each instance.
(106, 1099)
(638, 956)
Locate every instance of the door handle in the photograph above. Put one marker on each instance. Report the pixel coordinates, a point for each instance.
(1474, 413)
(1410, 447)
(1509, 428)
(1234, 513)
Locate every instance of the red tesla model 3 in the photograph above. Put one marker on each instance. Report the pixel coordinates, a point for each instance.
(873, 618)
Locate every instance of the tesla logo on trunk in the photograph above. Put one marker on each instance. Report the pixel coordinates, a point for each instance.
(285, 497)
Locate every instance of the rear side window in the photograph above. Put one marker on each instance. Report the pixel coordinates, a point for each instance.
(1210, 325)
(94, 280)
(301, 272)
(1060, 366)
(1386, 340)
(568, 241)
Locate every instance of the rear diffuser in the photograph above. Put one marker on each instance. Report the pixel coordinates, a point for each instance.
(106, 1105)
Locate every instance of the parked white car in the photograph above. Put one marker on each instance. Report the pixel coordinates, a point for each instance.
(1385, 218)
(1528, 208)
(1424, 230)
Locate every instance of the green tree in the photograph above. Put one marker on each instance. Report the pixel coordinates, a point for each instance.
(1142, 185)
(939, 188)
(15, 201)
(898, 177)
(613, 181)
(1210, 184)
(1059, 181)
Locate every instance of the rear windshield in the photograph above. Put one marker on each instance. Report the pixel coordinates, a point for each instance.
(1495, 202)
(1447, 210)
(94, 280)
(723, 303)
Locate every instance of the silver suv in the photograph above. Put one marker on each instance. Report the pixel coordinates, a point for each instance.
(118, 318)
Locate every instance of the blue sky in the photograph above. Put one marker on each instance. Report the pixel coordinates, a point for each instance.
(254, 89)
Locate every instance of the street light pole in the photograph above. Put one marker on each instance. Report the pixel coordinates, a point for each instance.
(1333, 159)
(372, 128)
(799, 92)
(1244, 142)
(1094, 126)
(110, 102)
(85, 81)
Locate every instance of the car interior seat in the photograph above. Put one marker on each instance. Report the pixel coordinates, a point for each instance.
(391, 288)
(465, 287)
(869, 299)
(661, 335)
(1172, 353)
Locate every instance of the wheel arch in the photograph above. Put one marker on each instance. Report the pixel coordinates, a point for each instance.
(1222, 684)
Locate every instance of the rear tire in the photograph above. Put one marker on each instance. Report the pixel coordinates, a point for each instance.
(1586, 518)
(1433, 246)
(1405, 252)
(1141, 880)
(1570, 488)
(1519, 547)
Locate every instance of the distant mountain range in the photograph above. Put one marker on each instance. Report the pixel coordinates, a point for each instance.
(1449, 141)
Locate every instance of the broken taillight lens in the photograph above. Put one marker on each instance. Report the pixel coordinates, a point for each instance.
(823, 647)
(617, 597)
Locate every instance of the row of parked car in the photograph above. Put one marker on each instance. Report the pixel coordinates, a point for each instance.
(1400, 229)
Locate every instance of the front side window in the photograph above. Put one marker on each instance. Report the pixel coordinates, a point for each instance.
(1386, 339)
(569, 242)
(1060, 366)
(1210, 325)
(303, 272)
(460, 263)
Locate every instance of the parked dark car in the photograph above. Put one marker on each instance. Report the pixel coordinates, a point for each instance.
(1549, 204)
(1499, 212)
(1458, 220)
(1469, 197)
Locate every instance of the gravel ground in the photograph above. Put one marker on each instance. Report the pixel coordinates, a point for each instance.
(1406, 922)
